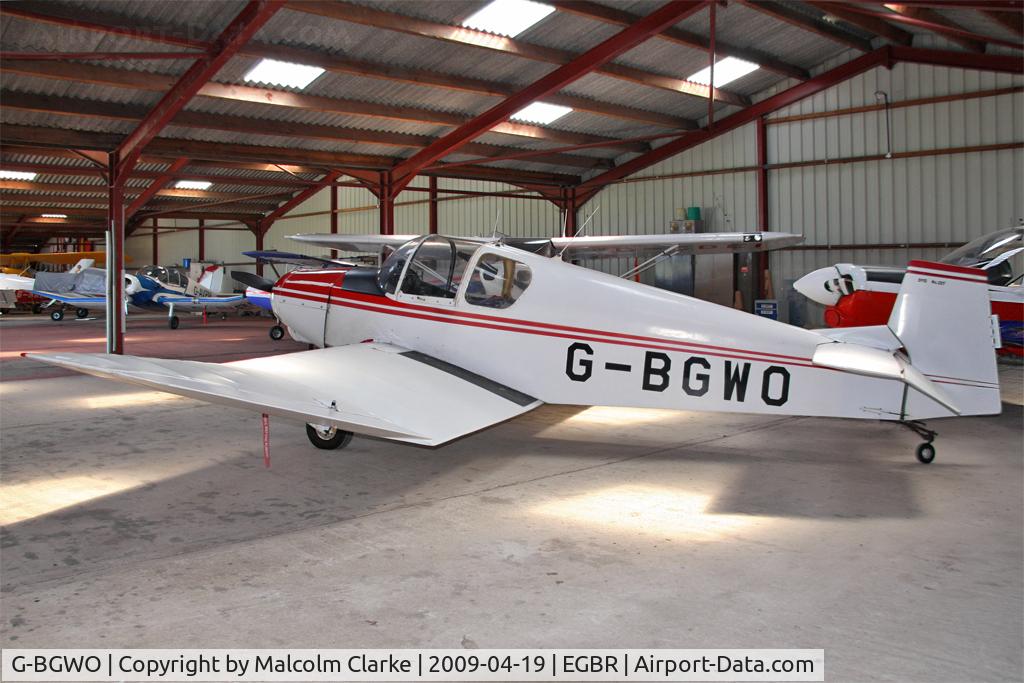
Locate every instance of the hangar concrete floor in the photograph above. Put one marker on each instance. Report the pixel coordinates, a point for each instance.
(136, 519)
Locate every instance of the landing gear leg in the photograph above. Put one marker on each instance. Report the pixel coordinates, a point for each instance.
(926, 451)
(172, 320)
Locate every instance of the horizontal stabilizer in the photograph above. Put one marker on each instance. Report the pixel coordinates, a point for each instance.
(864, 360)
(373, 389)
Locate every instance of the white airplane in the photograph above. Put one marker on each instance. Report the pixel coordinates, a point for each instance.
(451, 336)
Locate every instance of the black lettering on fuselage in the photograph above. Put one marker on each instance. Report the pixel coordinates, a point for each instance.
(579, 370)
(703, 379)
(766, 381)
(660, 372)
(736, 380)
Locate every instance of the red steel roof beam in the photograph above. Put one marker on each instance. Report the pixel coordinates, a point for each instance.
(64, 56)
(884, 56)
(230, 41)
(592, 59)
(155, 186)
(300, 197)
(929, 19)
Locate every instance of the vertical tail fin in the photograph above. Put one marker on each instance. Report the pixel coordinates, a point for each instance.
(942, 318)
(209, 281)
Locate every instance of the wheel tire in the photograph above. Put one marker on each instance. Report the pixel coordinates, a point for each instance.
(277, 333)
(223, 316)
(82, 312)
(328, 439)
(57, 316)
(173, 322)
(37, 309)
(925, 453)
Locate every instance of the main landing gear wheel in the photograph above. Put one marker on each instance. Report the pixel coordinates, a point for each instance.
(173, 322)
(327, 438)
(57, 315)
(37, 309)
(926, 451)
(82, 312)
(277, 332)
(223, 316)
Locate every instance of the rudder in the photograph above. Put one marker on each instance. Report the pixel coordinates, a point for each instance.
(942, 318)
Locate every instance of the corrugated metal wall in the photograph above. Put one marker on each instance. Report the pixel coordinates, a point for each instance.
(950, 198)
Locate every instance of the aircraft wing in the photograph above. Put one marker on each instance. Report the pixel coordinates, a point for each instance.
(15, 282)
(373, 389)
(188, 303)
(73, 299)
(301, 260)
(21, 259)
(680, 243)
(359, 243)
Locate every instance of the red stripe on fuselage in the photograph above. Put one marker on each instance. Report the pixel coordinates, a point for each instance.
(943, 276)
(379, 304)
(932, 265)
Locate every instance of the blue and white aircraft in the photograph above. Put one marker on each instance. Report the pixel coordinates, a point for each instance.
(151, 287)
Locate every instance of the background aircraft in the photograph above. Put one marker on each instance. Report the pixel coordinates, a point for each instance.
(17, 263)
(412, 353)
(151, 287)
(864, 295)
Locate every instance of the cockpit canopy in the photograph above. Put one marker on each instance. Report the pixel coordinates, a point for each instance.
(437, 267)
(1000, 254)
(173, 276)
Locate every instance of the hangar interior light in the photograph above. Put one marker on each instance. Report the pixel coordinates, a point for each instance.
(55, 215)
(285, 74)
(508, 17)
(17, 175)
(726, 71)
(192, 184)
(541, 112)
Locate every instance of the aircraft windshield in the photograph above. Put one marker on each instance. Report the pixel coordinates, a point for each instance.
(391, 269)
(1000, 253)
(437, 267)
(169, 276)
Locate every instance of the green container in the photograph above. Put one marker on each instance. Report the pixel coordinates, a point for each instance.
(693, 213)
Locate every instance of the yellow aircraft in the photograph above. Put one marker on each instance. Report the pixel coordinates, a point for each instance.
(18, 263)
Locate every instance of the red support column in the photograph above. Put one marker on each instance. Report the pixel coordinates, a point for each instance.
(202, 240)
(433, 205)
(762, 198)
(156, 240)
(115, 255)
(334, 215)
(259, 232)
(569, 210)
(386, 201)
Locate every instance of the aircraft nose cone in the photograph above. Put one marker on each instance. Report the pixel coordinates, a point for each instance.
(820, 286)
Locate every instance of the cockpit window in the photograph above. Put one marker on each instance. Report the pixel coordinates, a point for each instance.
(438, 266)
(997, 253)
(391, 270)
(431, 269)
(497, 282)
(168, 276)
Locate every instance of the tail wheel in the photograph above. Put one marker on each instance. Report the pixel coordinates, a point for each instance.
(327, 438)
(925, 453)
(57, 315)
(277, 333)
(82, 312)
(173, 322)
